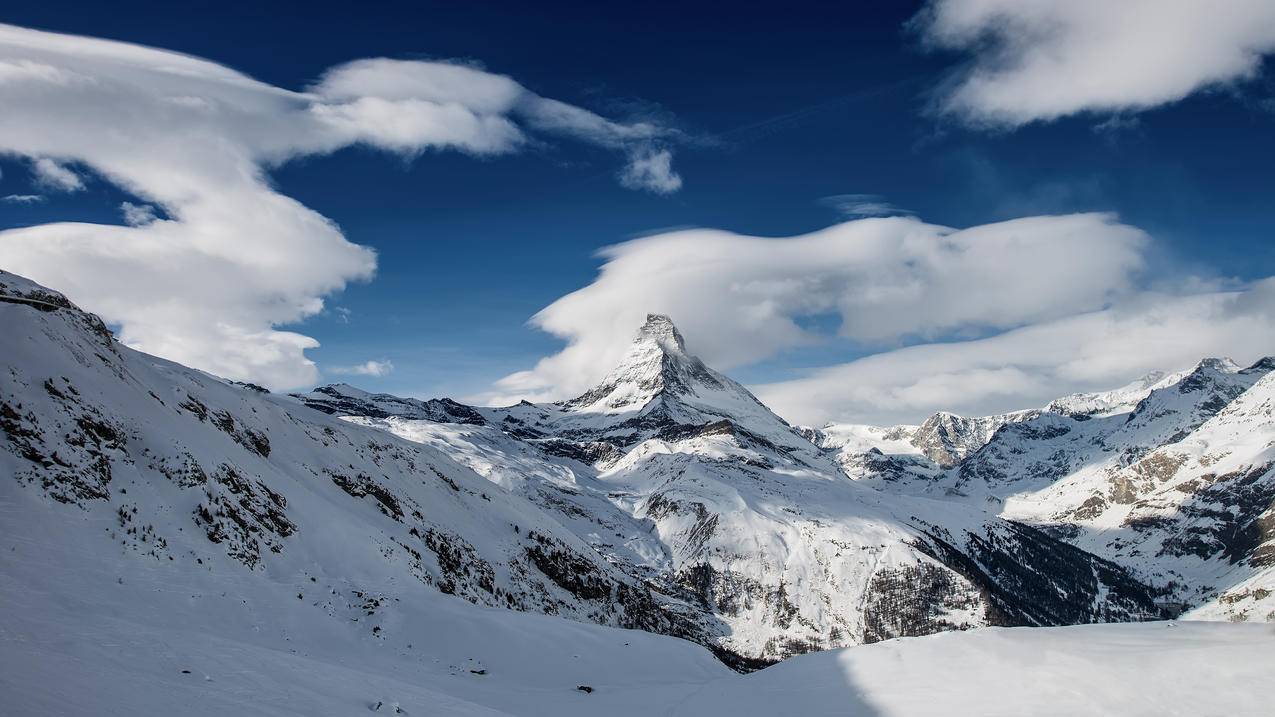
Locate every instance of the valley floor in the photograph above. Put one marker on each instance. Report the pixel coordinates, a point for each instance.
(91, 633)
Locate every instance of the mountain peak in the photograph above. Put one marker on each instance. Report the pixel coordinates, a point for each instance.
(1263, 365)
(1223, 364)
(654, 362)
(660, 328)
(659, 390)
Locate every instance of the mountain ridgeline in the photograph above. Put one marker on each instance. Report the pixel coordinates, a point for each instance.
(666, 499)
(680, 477)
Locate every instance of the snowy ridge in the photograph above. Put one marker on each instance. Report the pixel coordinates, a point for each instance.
(192, 470)
(1168, 476)
(1106, 403)
(1197, 512)
(910, 453)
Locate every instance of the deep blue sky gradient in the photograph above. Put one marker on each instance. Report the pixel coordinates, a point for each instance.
(785, 104)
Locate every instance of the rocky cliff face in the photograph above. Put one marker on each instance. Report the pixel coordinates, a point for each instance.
(946, 438)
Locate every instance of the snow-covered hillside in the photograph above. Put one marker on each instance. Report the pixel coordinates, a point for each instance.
(89, 629)
(181, 468)
(678, 476)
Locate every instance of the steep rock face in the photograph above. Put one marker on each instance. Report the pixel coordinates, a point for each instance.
(715, 500)
(910, 454)
(186, 470)
(947, 438)
(343, 399)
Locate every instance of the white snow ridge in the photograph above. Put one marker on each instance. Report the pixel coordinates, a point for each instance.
(173, 543)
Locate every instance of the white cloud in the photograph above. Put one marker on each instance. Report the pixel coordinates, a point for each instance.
(232, 259)
(1032, 365)
(1039, 60)
(136, 215)
(651, 170)
(739, 299)
(22, 198)
(368, 368)
(54, 176)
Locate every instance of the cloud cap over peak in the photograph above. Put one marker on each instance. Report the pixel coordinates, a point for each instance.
(740, 299)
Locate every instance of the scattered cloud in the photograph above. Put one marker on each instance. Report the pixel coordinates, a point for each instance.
(1116, 124)
(23, 198)
(342, 314)
(137, 215)
(54, 176)
(368, 368)
(1039, 61)
(858, 206)
(740, 299)
(234, 259)
(652, 170)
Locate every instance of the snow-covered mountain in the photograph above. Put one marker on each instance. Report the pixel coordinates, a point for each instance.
(1183, 491)
(186, 469)
(904, 452)
(1170, 476)
(680, 477)
(177, 542)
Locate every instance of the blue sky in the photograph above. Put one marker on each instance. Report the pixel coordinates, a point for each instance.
(777, 110)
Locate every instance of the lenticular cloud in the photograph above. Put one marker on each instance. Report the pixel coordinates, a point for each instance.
(739, 299)
(231, 259)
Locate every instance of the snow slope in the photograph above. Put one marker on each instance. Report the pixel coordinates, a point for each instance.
(90, 628)
(1197, 512)
(99, 632)
(1151, 669)
(186, 469)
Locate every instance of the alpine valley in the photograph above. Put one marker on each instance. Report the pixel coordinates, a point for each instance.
(628, 551)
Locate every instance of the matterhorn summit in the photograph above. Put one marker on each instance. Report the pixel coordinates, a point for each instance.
(656, 360)
(658, 390)
(660, 328)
